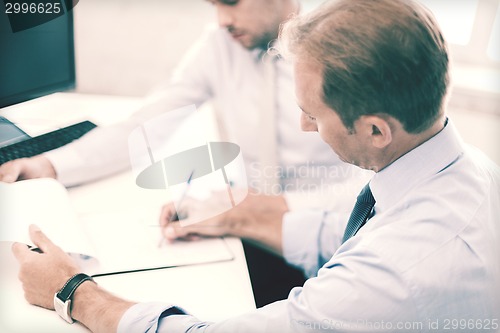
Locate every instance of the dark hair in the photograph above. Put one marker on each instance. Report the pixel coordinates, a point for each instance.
(378, 57)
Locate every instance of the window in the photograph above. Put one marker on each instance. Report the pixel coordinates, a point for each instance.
(494, 44)
(456, 19)
(471, 28)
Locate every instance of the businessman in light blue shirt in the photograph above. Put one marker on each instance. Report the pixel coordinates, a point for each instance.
(371, 79)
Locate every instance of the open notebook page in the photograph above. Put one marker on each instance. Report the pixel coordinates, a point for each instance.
(102, 243)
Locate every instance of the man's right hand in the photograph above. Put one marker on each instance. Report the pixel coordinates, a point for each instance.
(258, 218)
(27, 168)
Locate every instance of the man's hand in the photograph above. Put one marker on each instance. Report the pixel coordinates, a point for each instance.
(196, 211)
(258, 218)
(27, 168)
(43, 274)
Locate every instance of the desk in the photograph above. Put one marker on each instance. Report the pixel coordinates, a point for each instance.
(210, 291)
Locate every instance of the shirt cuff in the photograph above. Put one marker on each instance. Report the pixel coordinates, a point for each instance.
(64, 160)
(145, 317)
(300, 239)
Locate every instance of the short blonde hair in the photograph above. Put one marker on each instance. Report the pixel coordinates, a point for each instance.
(378, 57)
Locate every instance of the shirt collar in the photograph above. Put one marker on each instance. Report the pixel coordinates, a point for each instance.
(260, 55)
(427, 159)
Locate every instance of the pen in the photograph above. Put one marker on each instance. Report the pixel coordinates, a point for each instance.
(35, 249)
(175, 216)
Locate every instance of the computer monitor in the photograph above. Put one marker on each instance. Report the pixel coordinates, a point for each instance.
(36, 61)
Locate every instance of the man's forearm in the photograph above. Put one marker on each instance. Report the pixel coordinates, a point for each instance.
(267, 236)
(97, 309)
(260, 220)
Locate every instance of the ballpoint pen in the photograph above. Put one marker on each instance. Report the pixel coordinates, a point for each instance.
(175, 216)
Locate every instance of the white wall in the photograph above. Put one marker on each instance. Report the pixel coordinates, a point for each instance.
(125, 47)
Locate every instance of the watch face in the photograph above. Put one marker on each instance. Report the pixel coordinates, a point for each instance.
(63, 309)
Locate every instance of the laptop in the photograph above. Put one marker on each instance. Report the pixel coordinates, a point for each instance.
(10, 133)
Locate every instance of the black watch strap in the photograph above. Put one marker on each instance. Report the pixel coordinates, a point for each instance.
(70, 286)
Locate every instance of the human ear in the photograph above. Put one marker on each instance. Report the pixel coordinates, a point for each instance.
(380, 131)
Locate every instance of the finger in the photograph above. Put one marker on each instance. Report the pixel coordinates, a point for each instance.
(10, 171)
(175, 231)
(208, 227)
(192, 238)
(182, 233)
(39, 239)
(20, 251)
(168, 210)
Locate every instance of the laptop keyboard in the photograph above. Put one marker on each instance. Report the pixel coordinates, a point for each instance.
(45, 142)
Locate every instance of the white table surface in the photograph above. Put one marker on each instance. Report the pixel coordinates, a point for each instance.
(211, 291)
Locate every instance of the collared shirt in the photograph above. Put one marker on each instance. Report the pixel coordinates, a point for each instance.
(427, 261)
(218, 69)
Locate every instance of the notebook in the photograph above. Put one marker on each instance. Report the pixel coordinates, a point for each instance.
(102, 243)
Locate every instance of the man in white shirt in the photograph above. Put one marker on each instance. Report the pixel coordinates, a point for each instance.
(371, 79)
(226, 66)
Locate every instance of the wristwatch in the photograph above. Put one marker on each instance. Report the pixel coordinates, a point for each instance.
(62, 299)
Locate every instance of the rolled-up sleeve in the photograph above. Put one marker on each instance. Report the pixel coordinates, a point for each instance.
(145, 317)
(311, 237)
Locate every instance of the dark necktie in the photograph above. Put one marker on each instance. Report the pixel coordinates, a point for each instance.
(359, 216)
